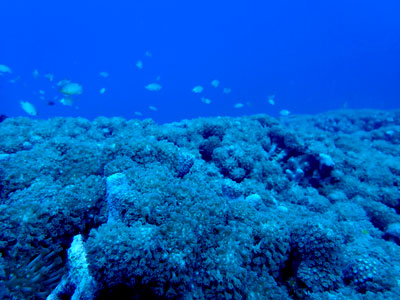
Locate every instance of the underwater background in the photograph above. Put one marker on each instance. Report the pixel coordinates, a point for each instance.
(199, 150)
(309, 56)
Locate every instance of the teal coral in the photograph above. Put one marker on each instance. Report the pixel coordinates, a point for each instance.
(202, 209)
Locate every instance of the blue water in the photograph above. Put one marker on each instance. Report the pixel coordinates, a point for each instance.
(312, 55)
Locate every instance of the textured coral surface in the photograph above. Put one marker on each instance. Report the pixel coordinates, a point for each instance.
(302, 207)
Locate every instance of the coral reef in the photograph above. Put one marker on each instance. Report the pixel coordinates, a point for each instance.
(304, 207)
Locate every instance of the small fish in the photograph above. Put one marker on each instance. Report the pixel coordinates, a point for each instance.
(35, 73)
(271, 99)
(102, 90)
(205, 100)
(41, 92)
(227, 90)
(63, 82)
(138, 113)
(67, 101)
(49, 76)
(153, 87)
(148, 54)
(197, 89)
(153, 108)
(284, 112)
(238, 105)
(51, 103)
(104, 74)
(215, 83)
(71, 88)
(139, 64)
(4, 69)
(28, 108)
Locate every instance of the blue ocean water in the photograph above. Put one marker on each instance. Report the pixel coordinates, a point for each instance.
(308, 56)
